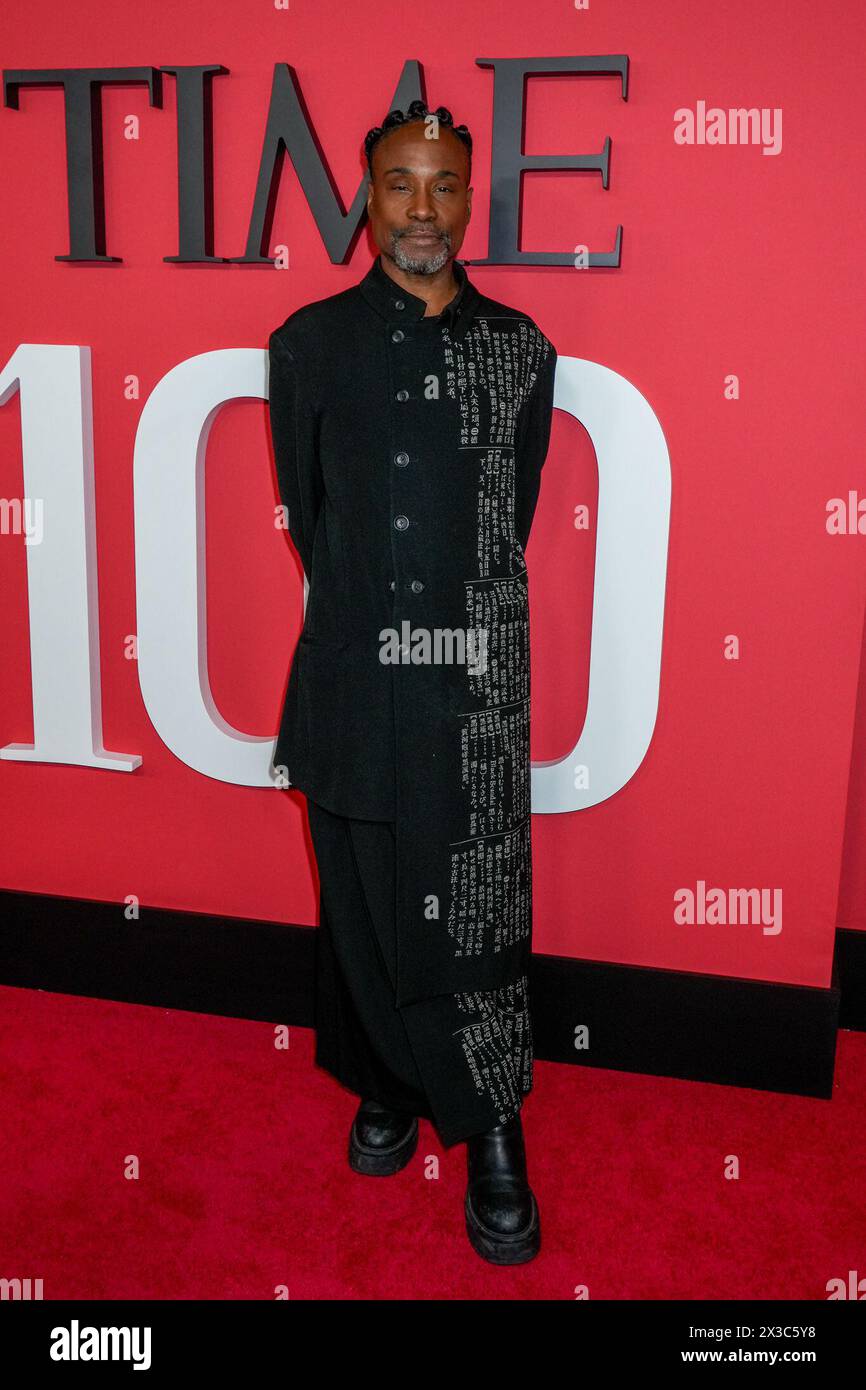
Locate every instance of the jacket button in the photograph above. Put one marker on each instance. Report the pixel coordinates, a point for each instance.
(398, 304)
(401, 460)
(402, 395)
(416, 586)
(397, 336)
(401, 522)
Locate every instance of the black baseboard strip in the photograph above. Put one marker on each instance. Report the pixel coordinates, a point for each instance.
(768, 1036)
(850, 965)
(237, 967)
(772, 1037)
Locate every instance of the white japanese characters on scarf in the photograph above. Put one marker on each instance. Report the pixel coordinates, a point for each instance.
(489, 373)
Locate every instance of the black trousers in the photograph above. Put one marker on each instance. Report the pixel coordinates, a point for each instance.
(464, 1061)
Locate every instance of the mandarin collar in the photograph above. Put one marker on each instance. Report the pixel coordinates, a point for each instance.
(384, 295)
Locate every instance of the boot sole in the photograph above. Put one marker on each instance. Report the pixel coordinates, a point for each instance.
(381, 1163)
(502, 1249)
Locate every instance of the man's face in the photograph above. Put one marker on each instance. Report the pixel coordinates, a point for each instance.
(419, 202)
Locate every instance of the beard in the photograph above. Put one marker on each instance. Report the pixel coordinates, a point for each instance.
(420, 260)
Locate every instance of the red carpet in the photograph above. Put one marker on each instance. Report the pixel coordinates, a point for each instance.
(244, 1187)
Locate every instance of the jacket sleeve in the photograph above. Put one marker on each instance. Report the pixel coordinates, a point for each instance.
(298, 469)
(533, 438)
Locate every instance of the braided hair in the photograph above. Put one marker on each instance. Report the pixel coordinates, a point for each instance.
(417, 111)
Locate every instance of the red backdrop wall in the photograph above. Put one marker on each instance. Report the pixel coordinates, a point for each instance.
(733, 262)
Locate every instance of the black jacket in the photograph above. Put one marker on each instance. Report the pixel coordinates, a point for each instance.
(409, 451)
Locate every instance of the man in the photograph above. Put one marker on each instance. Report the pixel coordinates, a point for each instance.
(411, 417)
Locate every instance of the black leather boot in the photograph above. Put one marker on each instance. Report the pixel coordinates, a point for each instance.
(382, 1141)
(502, 1219)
